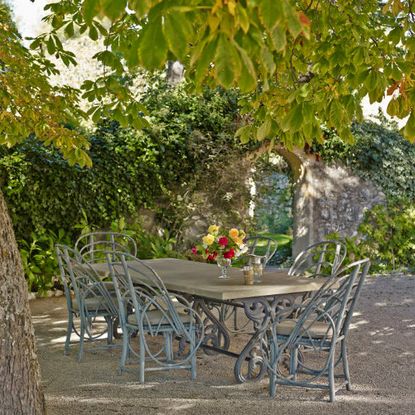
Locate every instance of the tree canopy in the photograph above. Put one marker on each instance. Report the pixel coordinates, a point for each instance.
(302, 64)
(29, 104)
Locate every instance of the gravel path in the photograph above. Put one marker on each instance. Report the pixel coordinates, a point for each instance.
(382, 363)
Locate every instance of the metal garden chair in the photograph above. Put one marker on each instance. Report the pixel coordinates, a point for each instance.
(321, 326)
(93, 246)
(147, 309)
(92, 302)
(262, 246)
(321, 258)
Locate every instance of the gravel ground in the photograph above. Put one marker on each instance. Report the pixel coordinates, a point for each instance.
(381, 354)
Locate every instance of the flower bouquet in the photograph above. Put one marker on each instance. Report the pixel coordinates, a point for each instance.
(222, 246)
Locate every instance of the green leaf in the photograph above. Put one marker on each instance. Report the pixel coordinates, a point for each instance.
(244, 133)
(177, 31)
(90, 8)
(227, 62)
(409, 129)
(264, 129)
(204, 61)
(271, 12)
(113, 8)
(93, 33)
(69, 30)
(248, 78)
(279, 38)
(152, 51)
(293, 120)
(294, 25)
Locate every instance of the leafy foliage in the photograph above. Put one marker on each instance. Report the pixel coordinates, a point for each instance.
(39, 260)
(386, 236)
(29, 104)
(379, 154)
(305, 64)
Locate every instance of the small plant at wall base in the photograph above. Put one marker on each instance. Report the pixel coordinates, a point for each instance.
(38, 258)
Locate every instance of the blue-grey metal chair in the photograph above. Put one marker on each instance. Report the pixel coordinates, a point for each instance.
(262, 246)
(321, 325)
(93, 246)
(321, 258)
(147, 309)
(92, 302)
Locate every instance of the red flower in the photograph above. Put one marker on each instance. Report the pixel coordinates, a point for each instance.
(194, 250)
(229, 254)
(211, 257)
(223, 241)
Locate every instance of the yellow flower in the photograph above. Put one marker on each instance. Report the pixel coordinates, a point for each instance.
(238, 241)
(242, 235)
(234, 233)
(213, 229)
(208, 239)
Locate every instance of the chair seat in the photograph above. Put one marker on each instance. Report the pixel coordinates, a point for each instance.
(312, 328)
(157, 317)
(92, 304)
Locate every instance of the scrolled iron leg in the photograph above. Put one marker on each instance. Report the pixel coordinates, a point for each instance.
(216, 333)
(254, 355)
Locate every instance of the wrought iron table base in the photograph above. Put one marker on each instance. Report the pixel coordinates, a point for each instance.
(252, 362)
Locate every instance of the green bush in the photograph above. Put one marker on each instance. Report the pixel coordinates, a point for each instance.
(386, 236)
(187, 145)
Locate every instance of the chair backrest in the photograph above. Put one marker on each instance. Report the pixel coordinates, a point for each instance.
(86, 284)
(321, 258)
(262, 246)
(334, 303)
(93, 246)
(322, 321)
(142, 287)
(140, 290)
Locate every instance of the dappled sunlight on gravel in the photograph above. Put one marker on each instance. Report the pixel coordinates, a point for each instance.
(382, 364)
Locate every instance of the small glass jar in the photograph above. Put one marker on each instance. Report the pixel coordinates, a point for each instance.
(257, 269)
(248, 275)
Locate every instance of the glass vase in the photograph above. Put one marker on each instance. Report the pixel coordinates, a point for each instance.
(223, 264)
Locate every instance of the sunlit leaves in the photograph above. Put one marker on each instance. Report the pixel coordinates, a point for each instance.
(29, 104)
(341, 50)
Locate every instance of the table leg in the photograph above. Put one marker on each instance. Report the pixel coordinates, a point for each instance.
(216, 332)
(252, 363)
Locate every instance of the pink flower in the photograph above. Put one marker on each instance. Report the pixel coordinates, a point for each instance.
(229, 254)
(223, 241)
(194, 250)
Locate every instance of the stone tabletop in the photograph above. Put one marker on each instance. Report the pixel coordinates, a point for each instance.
(202, 280)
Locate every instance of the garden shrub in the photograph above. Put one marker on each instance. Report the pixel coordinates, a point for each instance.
(187, 146)
(386, 236)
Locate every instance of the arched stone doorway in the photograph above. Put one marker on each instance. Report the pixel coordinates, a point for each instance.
(327, 198)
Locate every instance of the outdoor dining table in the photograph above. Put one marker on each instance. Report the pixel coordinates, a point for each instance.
(261, 302)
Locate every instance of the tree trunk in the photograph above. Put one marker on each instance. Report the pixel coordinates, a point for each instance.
(20, 387)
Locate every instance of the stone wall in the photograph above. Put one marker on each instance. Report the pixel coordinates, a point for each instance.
(328, 198)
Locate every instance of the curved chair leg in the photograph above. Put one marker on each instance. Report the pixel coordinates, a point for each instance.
(294, 362)
(168, 346)
(193, 361)
(345, 365)
(142, 356)
(125, 349)
(331, 378)
(69, 329)
(110, 332)
(81, 341)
